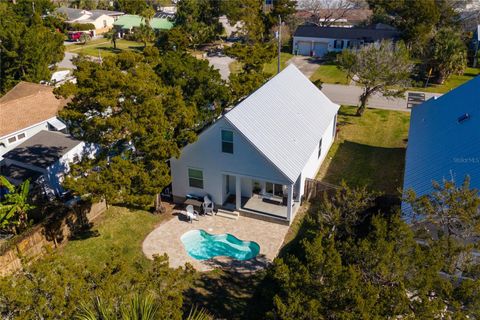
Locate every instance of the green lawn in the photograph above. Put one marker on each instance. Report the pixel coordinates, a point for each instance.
(104, 47)
(454, 81)
(329, 73)
(369, 150)
(272, 66)
(118, 229)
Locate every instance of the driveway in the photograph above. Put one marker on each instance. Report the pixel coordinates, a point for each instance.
(305, 64)
(67, 61)
(349, 95)
(221, 64)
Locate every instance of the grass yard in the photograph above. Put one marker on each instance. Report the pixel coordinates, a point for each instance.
(104, 47)
(369, 150)
(454, 81)
(120, 230)
(271, 67)
(329, 73)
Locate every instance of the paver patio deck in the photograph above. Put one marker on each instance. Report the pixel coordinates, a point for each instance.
(166, 239)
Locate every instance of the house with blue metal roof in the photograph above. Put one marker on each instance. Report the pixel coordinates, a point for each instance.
(254, 160)
(444, 140)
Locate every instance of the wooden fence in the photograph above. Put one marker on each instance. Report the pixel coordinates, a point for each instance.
(316, 189)
(21, 250)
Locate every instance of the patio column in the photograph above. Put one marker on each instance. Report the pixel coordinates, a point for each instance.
(238, 192)
(289, 203)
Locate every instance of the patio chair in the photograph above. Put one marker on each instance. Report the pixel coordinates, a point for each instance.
(191, 213)
(207, 205)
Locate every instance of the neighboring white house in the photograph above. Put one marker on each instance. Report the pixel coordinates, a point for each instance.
(25, 110)
(255, 158)
(45, 159)
(312, 40)
(444, 141)
(102, 19)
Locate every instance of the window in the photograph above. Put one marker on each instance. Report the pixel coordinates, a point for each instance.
(274, 189)
(21, 136)
(12, 139)
(338, 44)
(319, 148)
(195, 178)
(227, 141)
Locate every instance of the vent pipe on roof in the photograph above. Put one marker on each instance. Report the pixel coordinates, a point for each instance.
(463, 118)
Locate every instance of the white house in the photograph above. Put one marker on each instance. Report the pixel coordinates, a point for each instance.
(312, 40)
(255, 158)
(25, 110)
(444, 141)
(102, 19)
(44, 158)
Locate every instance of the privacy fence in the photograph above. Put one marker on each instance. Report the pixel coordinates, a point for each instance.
(21, 250)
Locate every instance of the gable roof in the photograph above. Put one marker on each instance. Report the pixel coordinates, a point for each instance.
(439, 145)
(350, 15)
(43, 149)
(75, 14)
(368, 34)
(285, 119)
(129, 21)
(27, 104)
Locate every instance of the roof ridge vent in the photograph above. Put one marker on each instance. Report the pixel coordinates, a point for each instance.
(464, 117)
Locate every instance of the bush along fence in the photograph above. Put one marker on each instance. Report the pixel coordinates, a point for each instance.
(21, 250)
(315, 189)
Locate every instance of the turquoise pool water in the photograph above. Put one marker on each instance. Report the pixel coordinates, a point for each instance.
(202, 245)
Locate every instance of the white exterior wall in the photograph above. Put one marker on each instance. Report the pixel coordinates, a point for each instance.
(206, 154)
(99, 22)
(312, 41)
(55, 173)
(313, 165)
(29, 132)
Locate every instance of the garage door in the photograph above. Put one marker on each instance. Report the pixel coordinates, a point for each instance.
(304, 48)
(319, 49)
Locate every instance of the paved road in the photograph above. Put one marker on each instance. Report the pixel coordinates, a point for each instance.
(349, 95)
(221, 64)
(67, 61)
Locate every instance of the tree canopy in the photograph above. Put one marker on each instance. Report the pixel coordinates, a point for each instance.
(378, 69)
(139, 110)
(28, 47)
(356, 260)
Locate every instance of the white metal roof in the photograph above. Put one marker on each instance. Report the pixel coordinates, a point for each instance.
(285, 120)
(440, 147)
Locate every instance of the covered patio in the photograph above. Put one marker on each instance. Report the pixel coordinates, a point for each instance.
(267, 206)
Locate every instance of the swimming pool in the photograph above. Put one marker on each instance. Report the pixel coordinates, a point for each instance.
(202, 245)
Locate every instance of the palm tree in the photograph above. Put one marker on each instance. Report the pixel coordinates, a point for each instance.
(14, 208)
(140, 307)
(113, 36)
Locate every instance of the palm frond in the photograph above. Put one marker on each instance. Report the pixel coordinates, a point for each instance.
(199, 314)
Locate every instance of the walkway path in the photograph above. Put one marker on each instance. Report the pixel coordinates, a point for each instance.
(67, 61)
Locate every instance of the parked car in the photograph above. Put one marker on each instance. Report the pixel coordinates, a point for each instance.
(75, 35)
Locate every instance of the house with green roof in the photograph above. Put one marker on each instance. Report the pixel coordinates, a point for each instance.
(128, 22)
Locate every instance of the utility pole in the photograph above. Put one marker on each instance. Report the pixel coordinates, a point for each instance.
(279, 41)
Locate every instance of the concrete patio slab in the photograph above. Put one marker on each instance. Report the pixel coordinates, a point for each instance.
(166, 239)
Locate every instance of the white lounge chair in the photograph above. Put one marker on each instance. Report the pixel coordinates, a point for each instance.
(207, 205)
(191, 213)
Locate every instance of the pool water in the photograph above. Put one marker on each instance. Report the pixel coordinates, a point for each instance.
(202, 245)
